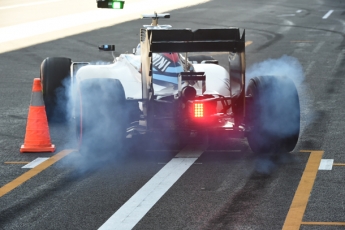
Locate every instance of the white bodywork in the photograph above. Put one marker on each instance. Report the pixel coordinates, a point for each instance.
(121, 69)
(127, 67)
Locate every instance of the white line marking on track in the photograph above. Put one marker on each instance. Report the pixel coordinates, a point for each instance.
(343, 24)
(286, 15)
(310, 66)
(130, 213)
(286, 27)
(327, 14)
(225, 151)
(318, 47)
(326, 164)
(28, 4)
(340, 57)
(35, 162)
(299, 11)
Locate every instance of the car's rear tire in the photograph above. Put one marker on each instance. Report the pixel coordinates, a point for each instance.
(55, 72)
(101, 117)
(273, 114)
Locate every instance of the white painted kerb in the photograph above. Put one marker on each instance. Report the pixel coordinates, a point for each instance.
(326, 164)
(35, 162)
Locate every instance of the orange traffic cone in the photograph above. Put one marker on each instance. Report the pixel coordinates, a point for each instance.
(37, 137)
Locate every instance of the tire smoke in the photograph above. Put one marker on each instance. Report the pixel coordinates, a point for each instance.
(287, 66)
(95, 116)
(283, 67)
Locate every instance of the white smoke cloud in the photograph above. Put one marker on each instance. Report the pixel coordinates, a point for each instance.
(285, 66)
(99, 133)
(290, 67)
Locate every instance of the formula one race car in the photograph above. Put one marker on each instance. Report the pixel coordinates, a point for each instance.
(159, 88)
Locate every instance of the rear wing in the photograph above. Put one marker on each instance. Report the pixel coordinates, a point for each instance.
(185, 40)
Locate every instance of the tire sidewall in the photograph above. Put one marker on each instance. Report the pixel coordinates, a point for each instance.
(273, 115)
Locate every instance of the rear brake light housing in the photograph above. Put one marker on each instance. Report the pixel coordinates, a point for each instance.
(198, 110)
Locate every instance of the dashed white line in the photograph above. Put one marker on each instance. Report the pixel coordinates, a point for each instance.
(310, 66)
(35, 162)
(286, 27)
(130, 213)
(286, 15)
(326, 164)
(340, 57)
(318, 47)
(27, 4)
(299, 11)
(327, 14)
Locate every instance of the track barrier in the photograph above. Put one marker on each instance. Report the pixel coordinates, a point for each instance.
(37, 137)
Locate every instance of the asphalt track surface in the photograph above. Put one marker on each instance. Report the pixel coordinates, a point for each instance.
(225, 187)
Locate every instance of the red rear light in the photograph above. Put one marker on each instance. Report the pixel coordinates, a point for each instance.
(198, 110)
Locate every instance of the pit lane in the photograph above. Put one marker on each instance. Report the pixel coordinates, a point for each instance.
(223, 190)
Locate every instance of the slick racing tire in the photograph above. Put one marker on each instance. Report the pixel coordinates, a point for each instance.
(198, 59)
(55, 73)
(101, 117)
(273, 115)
